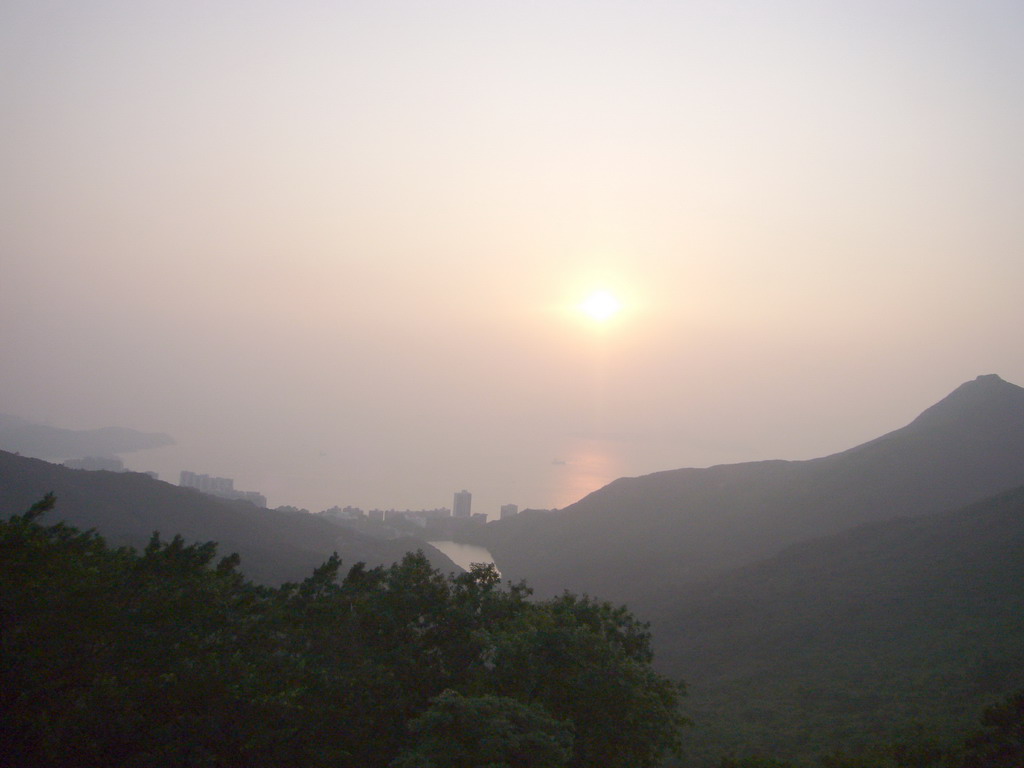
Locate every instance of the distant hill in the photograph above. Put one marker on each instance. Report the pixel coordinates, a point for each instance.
(640, 537)
(43, 442)
(816, 604)
(853, 638)
(126, 508)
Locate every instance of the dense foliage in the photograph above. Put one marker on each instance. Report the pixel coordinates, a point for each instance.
(163, 658)
(885, 633)
(997, 743)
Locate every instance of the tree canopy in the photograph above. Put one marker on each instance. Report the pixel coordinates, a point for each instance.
(169, 657)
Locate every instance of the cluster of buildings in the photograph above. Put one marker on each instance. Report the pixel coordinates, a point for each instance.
(102, 464)
(419, 517)
(223, 487)
(463, 502)
(441, 517)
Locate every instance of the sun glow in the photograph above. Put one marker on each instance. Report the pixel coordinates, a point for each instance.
(600, 306)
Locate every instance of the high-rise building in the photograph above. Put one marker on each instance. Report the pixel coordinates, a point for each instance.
(463, 501)
(224, 487)
(509, 510)
(205, 483)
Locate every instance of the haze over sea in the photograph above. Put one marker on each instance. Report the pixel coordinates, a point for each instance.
(355, 253)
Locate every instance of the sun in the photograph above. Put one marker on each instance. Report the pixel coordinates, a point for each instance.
(600, 306)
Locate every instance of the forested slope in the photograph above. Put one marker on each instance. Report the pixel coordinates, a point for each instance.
(170, 658)
(127, 507)
(854, 638)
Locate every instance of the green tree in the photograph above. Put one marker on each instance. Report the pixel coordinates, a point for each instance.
(1000, 741)
(169, 657)
(758, 761)
(588, 662)
(486, 732)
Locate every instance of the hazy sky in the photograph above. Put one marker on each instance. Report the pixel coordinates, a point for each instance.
(335, 248)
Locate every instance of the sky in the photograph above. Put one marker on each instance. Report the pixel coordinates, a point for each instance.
(337, 249)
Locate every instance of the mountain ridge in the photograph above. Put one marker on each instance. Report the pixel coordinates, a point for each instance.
(686, 523)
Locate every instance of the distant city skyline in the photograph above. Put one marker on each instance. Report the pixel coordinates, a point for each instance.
(223, 487)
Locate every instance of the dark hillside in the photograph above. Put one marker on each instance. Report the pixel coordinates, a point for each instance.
(127, 507)
(848, 639)
(647, 535)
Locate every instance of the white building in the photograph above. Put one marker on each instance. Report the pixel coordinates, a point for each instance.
(462, 503)
(223, 487)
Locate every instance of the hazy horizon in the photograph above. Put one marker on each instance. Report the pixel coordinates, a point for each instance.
(337, 250)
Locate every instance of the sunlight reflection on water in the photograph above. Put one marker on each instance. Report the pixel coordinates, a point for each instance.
(463, 555)
(589, 464)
